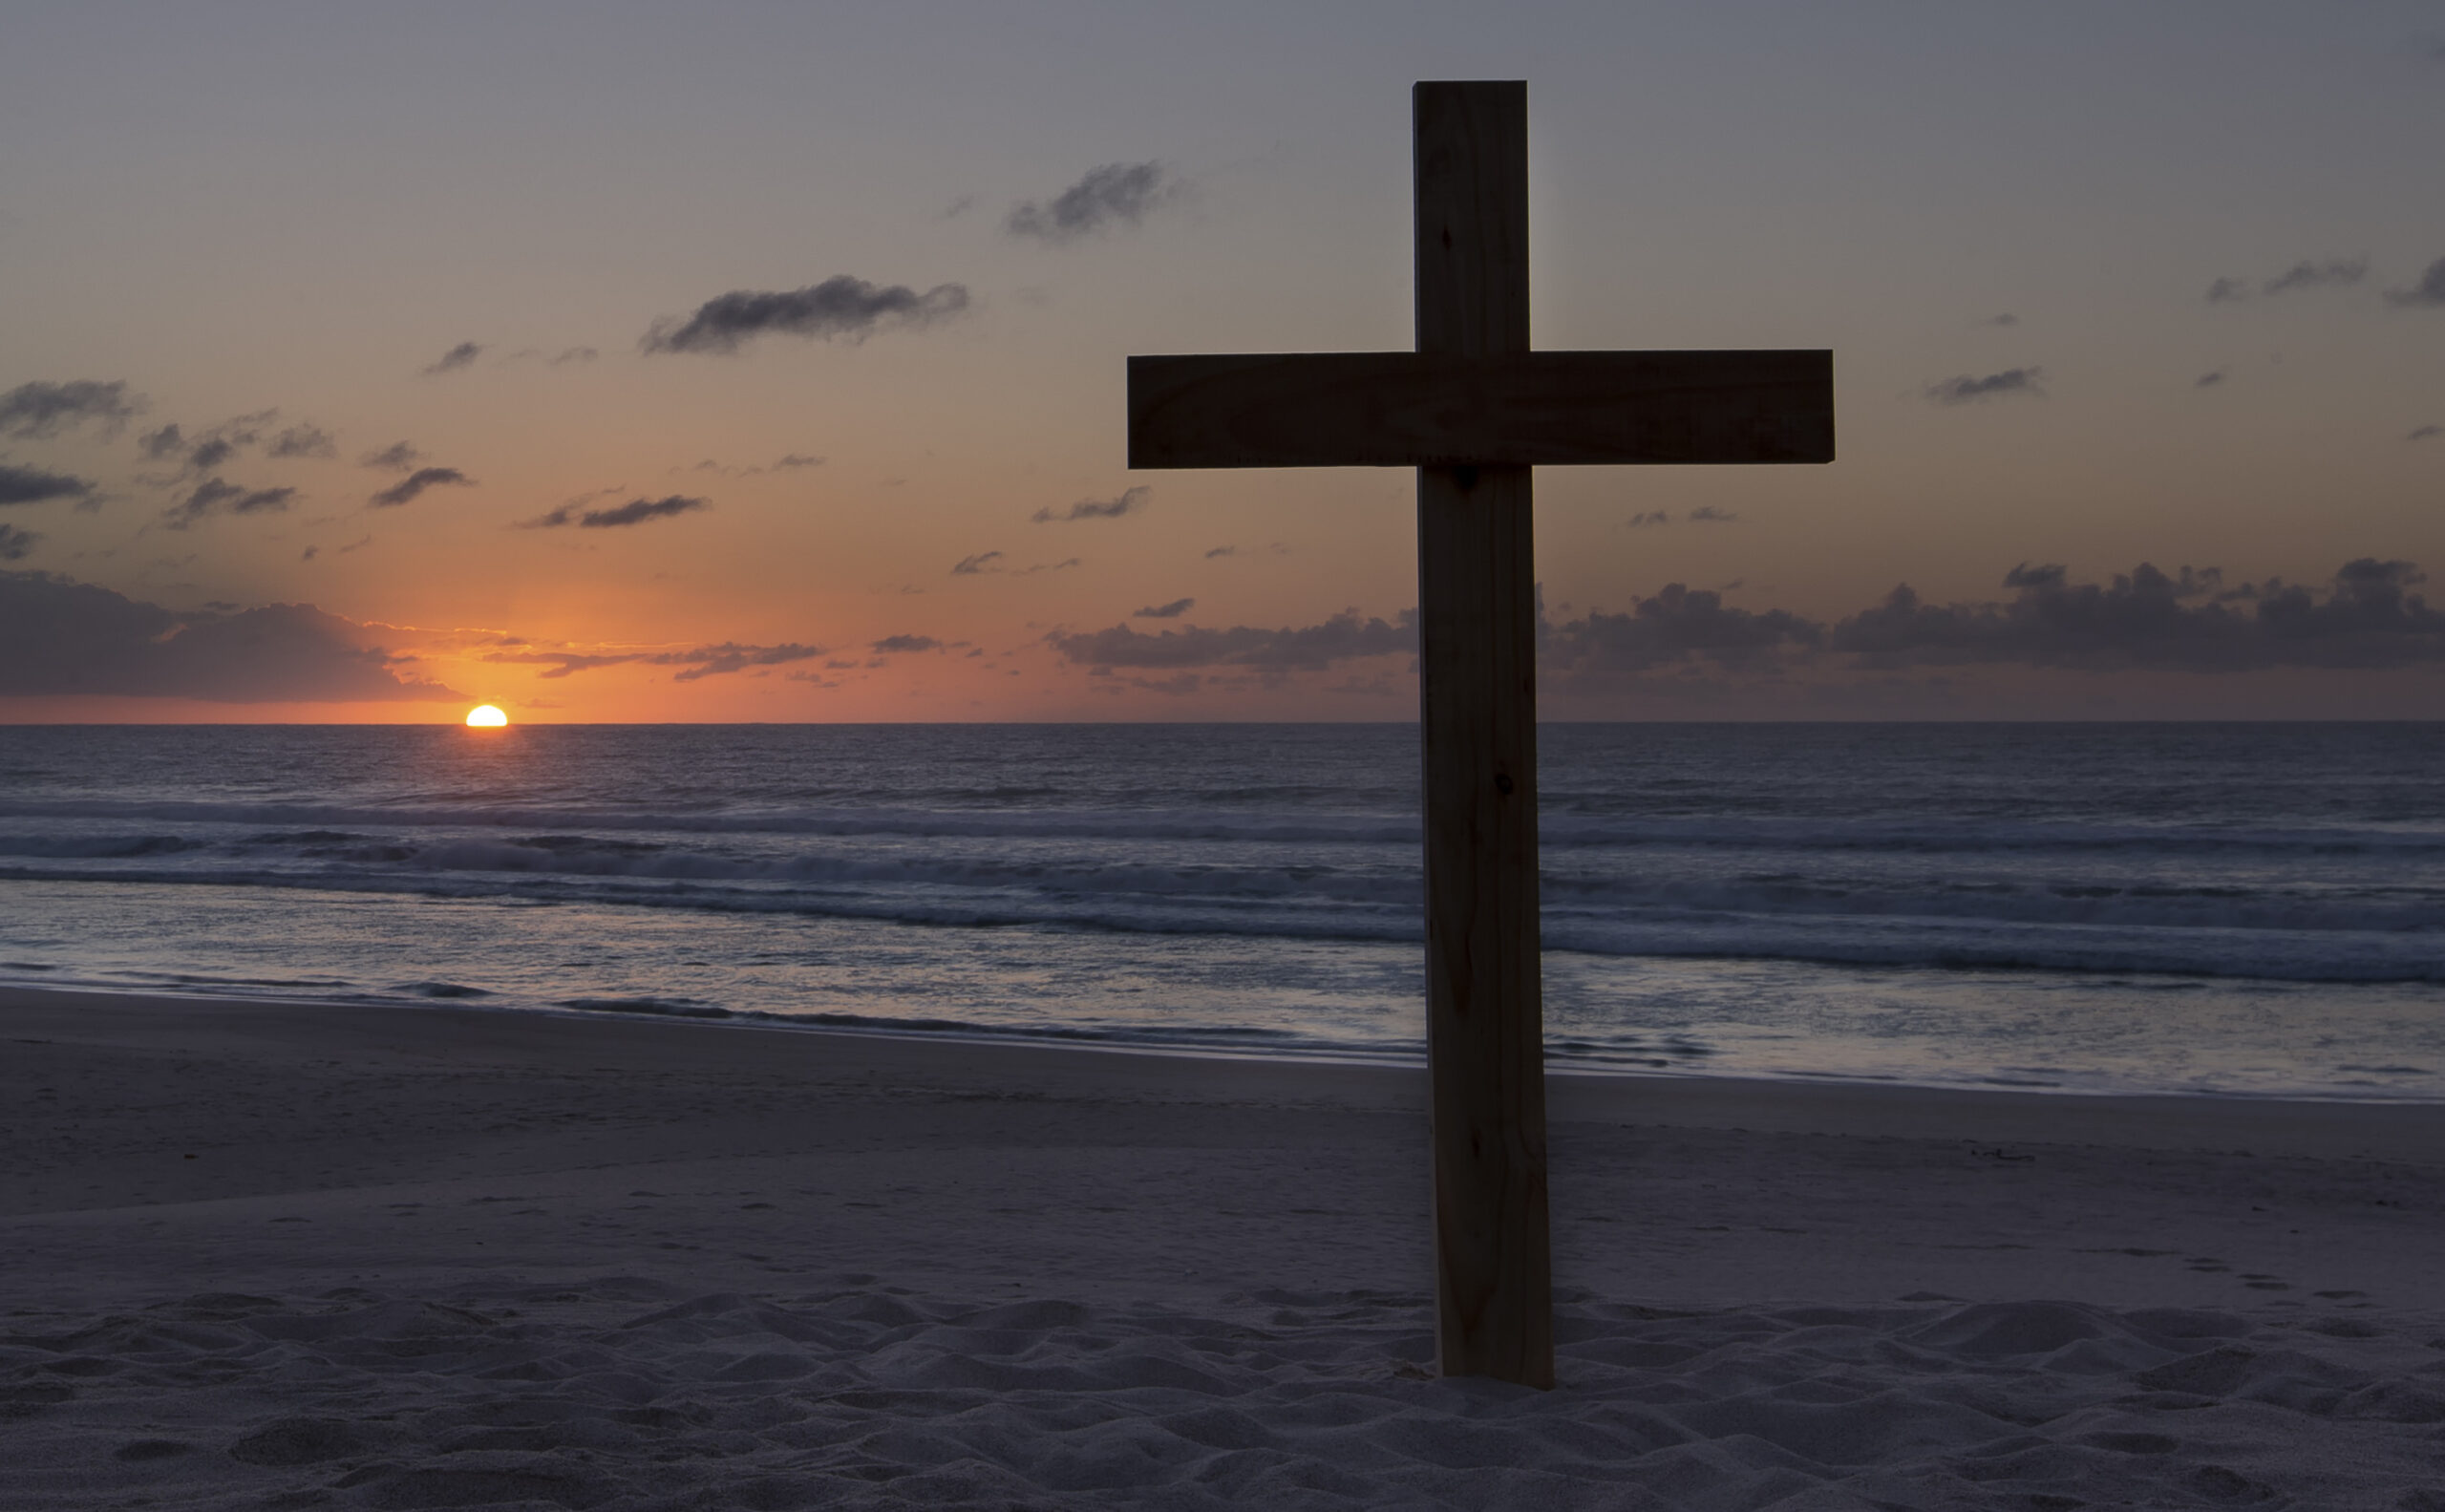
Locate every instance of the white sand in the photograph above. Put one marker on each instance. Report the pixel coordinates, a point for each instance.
(265, 1255)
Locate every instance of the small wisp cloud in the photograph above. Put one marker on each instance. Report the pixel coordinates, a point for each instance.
(407, 488)
(1110, 197)
(1128, 501)
(1974, 389)
(635, 512)
(839, 308)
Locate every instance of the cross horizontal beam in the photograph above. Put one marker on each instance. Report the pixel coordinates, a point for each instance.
(1417, 409)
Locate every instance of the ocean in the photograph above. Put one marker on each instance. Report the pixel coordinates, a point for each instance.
(2228, 910)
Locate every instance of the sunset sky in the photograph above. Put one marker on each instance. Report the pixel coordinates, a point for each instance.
(765, 362)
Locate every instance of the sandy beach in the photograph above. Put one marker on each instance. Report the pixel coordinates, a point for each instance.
(280, 1254)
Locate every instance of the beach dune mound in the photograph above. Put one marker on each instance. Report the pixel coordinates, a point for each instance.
(624, 1392)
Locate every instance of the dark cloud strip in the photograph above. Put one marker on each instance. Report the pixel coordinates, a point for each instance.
(2368, 616)
(706, 661)
(37, 411)
(31, 485)
(839, 308)
(407, 488)
(635, 512)
(1271, 652)
(2147, 618)
(2333, 272)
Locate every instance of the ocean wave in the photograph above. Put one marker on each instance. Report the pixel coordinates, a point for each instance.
(826, 878)
(2231, 947)
(315, 822)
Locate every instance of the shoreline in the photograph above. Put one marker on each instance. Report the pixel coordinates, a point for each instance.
(958, 1064)
(951, 1034)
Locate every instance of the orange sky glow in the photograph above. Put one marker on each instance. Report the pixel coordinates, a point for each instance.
(772, 367)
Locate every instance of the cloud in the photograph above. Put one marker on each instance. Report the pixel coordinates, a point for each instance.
(1649, 517)
(407, 488)
(705, 661)
(2428, 294)
(892, 644)
(209, 453)
(15, 544)
(303, 440)
(398, 457)
(1709, 515)
(2147, 618)
(1969, 389)
(1116, 194)
(986, 562)
(795, 460)
(461, 355)
(713, 661)
(2425, 433)
(635, 512)
(2333, 272)
(1675, 624)
(162, 445)
(2006, 318)
(569, 354)
(70, 637)
(37, 411)
(1271, 652)
(564, 664)
(2209, 381)
(839, 308)
(215, 497)
(31, 485)
(1166, 611)
(1221, 551)
(1127, 501)
(213, 448)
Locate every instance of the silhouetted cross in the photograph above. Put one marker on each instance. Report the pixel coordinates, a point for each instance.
(1472, 409)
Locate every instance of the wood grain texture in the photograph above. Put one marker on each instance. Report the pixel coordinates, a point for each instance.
(1401, 409)
(1484, 1011)
(1469, 165)
(1477, 719)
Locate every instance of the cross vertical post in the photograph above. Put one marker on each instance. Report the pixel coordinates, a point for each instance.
(1474, 409)
(1477, 700)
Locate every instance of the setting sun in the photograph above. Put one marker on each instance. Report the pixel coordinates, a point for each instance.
(484, 716)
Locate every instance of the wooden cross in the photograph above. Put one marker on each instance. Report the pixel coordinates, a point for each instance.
(1474, 410)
